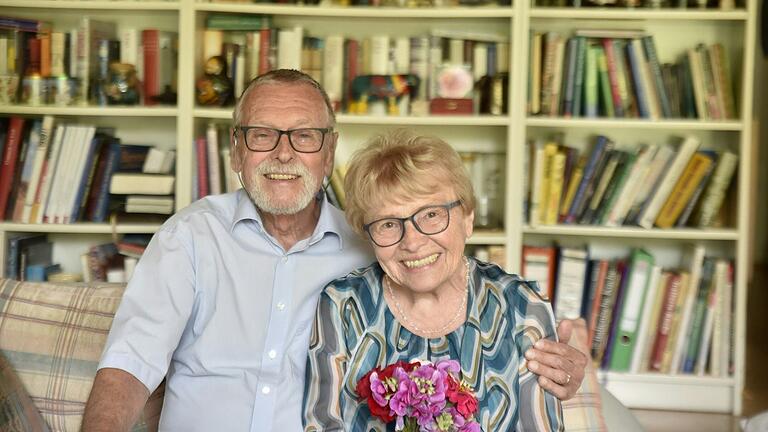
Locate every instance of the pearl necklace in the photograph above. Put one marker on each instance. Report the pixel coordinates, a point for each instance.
(442, 329)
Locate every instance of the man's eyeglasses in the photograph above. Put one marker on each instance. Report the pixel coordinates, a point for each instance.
(428, 220)
(264, 139)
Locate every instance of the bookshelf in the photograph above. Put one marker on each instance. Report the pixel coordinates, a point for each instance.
(674, 29)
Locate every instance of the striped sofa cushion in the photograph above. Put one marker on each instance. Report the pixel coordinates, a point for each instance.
(53, 335)
(584, 412)
(17, 411)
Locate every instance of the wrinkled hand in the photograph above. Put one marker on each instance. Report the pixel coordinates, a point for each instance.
(560, 366)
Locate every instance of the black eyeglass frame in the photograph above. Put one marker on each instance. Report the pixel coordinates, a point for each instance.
(244, 132)
(448, 207)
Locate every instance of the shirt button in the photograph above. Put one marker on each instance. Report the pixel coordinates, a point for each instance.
(280, 306)
(285, 259)
(266, 389)
(272, 354)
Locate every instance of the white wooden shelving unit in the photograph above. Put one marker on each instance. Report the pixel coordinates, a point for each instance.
(674, 30)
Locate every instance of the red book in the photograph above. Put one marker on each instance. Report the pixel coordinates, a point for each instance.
(665, 321)
(264, 42)
(351, 68)
(201, 149)
(613, 77)
(451, 106)
(10, 158)
(150, 39)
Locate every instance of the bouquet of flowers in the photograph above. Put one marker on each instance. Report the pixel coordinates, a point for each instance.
(420, 397)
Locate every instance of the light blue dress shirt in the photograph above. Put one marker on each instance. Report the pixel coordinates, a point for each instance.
(218, 305)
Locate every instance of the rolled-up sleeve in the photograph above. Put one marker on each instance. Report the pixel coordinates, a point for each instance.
(154, 311)
(326, 367)
(538, 409)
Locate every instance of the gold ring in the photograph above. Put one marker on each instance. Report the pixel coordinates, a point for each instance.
(567, 379)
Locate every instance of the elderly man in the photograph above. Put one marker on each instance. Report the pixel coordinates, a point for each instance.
(222, 302)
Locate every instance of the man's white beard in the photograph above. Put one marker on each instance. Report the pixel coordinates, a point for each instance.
(263, 198)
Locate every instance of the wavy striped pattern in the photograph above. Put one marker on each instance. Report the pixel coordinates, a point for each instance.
(355, 331)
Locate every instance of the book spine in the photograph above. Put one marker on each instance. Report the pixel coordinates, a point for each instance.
(685, 215)
(655, 68)
(101, 204)
(621, 282)
(581, 54)
(570, 78)
(26, 171)
(151, 49)
(672, 291)
(535, 73)
(689, 180)
(684, 154)
(10, 158)
(89, 171)
(214, 170)
(644, 328)
(636, 64)
(202, 166)
(591, 83)
(715, 192)
(607, 301)
(613, 77)
(598, 152)
(555, 188)
(699, 314)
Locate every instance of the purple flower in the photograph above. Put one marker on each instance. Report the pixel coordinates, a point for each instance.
(378, 389)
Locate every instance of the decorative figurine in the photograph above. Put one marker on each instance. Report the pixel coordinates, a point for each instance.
(123, 85)
(214, 89)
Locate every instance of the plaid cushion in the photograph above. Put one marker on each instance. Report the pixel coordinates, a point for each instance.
(584, 412)
(53, 336)
(17, 411)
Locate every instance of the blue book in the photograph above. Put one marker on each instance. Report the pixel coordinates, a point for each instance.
(653, 62)
(86, 178)
(636, 66)
(101, 198)
(578, 85)
(569, 83)
(598, 154)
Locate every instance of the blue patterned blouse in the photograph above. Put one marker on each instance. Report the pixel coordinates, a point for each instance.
(354, 331)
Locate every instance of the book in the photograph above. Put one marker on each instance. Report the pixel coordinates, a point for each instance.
(657, 166)
(37, 214)
(693, 260)
(89, 33)
(10, 156)
(698, 192)
(159, 50)
(655, 70)
(651, 305)
(15, 244)
(675, 331)
(591, 86)
(16, 211)
(213, 159)
(613, 326)
(699, 314)
(684, 153)
(38, 165)
(598, 278)
(142, 184)
(571, 277)
(664, 325)
(641, 264)
(601, 147)
(615, 158)
(693, 174)
(98, 197)
(714, 194)
(538, 264)
(715, 293)
(605, 312)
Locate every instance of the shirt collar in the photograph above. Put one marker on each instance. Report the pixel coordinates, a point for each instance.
(331, 220)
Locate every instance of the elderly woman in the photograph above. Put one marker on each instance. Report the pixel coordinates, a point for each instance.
(424, 299)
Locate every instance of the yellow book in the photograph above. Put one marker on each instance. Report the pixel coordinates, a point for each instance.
(696, 170)
(555, 188)
(550, 150)
(573, 185)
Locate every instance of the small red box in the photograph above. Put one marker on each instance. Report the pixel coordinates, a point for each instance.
(462, 106)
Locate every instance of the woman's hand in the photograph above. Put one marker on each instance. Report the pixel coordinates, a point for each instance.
(560, 366)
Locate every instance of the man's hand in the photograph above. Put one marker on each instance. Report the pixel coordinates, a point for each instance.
(560, 366)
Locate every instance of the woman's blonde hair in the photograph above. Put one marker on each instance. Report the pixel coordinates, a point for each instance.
(401, 164)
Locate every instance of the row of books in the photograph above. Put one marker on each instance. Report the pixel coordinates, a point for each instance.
(617, 73)
(379, 3)
(64, 173)
(654, 4)
(212, 170)
(344, 65)
(662, 185)
(78, 61)
(29, 257)
(643, 317)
